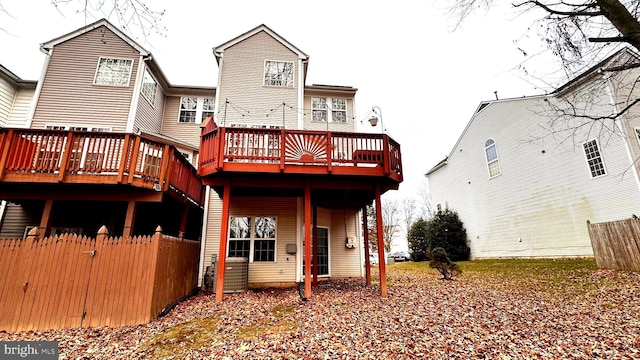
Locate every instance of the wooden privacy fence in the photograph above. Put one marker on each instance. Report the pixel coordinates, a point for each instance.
(72, 281)
(616, 244)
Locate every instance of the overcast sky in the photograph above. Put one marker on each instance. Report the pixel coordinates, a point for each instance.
(403, 56)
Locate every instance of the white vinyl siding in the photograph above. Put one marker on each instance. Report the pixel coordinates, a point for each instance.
(187, 132)
(20, 109)
(7, 96)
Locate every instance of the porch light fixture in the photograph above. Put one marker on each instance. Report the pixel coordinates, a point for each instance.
(377, 116)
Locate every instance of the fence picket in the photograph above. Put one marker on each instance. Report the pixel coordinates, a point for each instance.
(616, 244)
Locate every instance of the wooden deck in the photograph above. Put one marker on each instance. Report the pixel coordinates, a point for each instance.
(96, 158)
(275, 151)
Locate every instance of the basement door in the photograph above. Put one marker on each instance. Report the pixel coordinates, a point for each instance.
(323, 253)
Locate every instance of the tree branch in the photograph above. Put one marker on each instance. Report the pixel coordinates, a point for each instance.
(548, 9)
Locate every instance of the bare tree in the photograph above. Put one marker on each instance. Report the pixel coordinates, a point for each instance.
(581, 34)
(408, 209)
(424, 200)
(132, 16)
(390, 224)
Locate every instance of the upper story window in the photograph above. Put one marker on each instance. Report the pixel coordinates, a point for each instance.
(321, 112)
(149, 87)
(339, 110)
(594, 158)
(492, 158)
(278, 73)
(319, 109)
(195, 109)
(113, 72)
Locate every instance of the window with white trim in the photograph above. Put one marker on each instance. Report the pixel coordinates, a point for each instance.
(594, 158)
(278, 73)
(339, 110)
(637, 135)
(492, 158)
(149, 87)
(321, 112)
(195, 109)
(113, 72)
(253, 238)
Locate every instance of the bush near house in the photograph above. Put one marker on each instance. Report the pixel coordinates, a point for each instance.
(444, 230)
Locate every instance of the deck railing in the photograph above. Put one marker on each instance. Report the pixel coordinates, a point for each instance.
(29, 155)
(220, 146)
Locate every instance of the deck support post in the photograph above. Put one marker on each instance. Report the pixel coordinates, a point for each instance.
(45, 221)
(315, 246)
(380, 231)
(307, 240)
(128, 220)
(184, 220)
(224, 229)
(365, 227)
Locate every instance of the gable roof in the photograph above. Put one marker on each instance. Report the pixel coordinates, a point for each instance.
(102, 22)
(15, 79)
(218, 50)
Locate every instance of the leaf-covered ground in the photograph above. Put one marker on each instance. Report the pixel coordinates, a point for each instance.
(500, 309)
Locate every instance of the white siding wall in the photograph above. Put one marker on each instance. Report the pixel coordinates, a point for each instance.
(540, 204)
(187, 132)
(283, 270)
(345, 262)
(242, 79)
(20, 110)
(7, 96)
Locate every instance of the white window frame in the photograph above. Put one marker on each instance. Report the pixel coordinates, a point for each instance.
(637, 131)
(270, 79)
(200, 109)
(253, 238)
(330, 110)
(323, 107)
(494, 161)
(98, 72)
(598, 158)
(149, 88)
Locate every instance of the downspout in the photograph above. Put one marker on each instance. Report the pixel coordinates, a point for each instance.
(36, 94)
(622, 129)
(133, 108)
(301, 64)
(203, 237)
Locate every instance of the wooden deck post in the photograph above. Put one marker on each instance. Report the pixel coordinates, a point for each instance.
(307, 240)
(224, 228)
(185, 218)
(367, 265)
(128, 221)
(45, 221)
(380, 231)
(5, 151)
(315, 246)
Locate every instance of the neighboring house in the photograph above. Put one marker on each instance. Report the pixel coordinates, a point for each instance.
(525, 179)
(104, 142)
(105, 117)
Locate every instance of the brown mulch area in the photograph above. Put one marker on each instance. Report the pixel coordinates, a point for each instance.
(476, 316)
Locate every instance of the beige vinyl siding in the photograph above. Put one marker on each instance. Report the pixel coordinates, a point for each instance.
(7, 96)
(17, 218)
(187, 132)
(20, 110)
(283, 270)
(242, 84)
(344, 262)
(68, 94)
(349, 126)
(149, 117)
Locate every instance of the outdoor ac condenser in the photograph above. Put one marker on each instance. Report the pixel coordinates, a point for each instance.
(236, 275)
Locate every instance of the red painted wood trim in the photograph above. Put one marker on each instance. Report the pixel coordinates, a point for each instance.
(65, 159)
(134, 159)
(380, 231)
(315, 246)
(123, 158)
(307, 241)
(224, 229)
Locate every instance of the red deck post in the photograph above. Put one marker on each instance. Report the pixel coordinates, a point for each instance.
(45, 221)
(224, 228)
(128, 222)
(315, 245)
(307, 240)
(380, 231)
(367, 265)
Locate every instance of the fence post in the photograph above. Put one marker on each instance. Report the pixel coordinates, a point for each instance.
(155, 243)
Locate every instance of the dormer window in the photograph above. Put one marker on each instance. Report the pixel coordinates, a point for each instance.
(278, 73)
